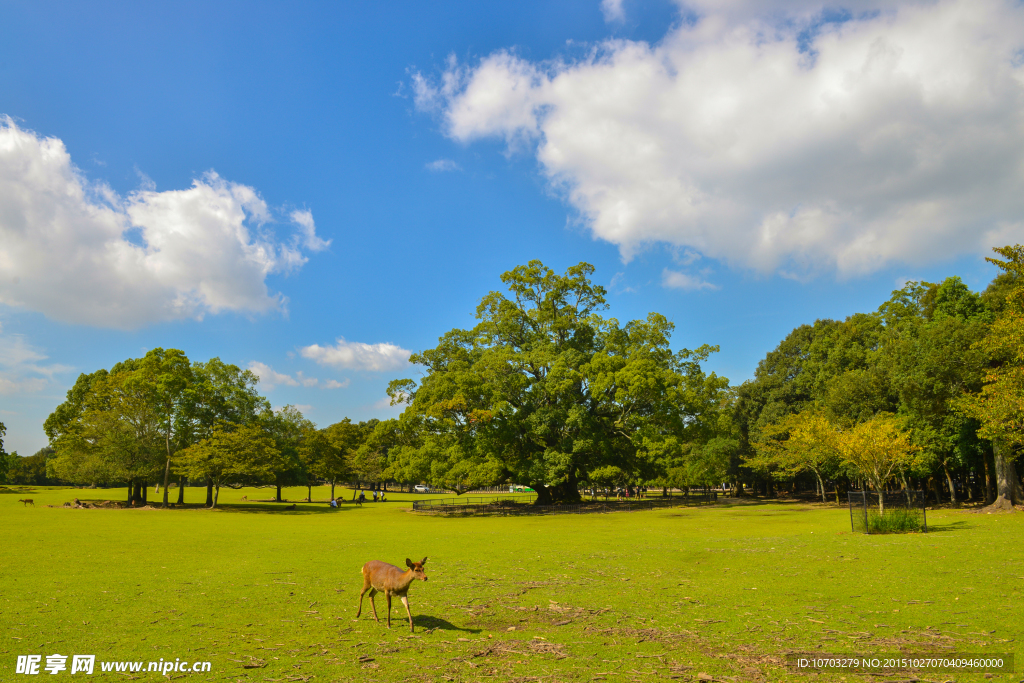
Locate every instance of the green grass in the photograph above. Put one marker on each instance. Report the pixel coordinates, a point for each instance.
(723, 590)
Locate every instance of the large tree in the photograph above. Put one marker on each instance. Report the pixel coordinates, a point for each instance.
(115, 436)
(545, 391)
(999, 405)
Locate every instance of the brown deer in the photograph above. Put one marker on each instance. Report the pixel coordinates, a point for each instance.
(27, 502)
(381, 577)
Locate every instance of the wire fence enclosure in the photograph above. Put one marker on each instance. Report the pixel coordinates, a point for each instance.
(887, 512)
(524, 505)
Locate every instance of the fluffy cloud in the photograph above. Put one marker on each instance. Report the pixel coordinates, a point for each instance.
(358, 356)
(80, 253)
(21, 369)
(270, 378)
(780, 138)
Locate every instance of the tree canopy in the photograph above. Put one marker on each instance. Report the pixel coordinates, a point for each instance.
(546, 391)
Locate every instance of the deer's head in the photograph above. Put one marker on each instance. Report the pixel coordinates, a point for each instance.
(417, 568)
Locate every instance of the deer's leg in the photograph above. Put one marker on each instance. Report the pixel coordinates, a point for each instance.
(388, 595)
(373, 605)
(366, 586)
(405, 601)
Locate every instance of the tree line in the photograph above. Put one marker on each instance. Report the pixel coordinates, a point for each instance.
(924, 392)
(164, 419)
(546, 391)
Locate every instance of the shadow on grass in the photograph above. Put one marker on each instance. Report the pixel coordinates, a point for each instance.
(282, 508)
(243, 508)
(19, 490)
(426, 622)
(952, 526)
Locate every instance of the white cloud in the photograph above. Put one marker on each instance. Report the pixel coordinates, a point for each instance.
(358, 356)
(442, 165)
(270, 378)
(79, 252)
(612, 10)
(20, 368)
(306, 233)
(763, 135)
(673, 279)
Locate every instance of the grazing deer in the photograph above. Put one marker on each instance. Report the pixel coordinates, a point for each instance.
(27, 502)
(381, 577)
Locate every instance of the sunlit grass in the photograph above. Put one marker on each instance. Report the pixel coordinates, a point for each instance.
(724, 590)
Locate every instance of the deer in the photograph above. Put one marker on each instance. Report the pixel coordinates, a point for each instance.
(27, 502)
(381, 577)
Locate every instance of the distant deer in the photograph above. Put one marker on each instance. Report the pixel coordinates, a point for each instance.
(27, 502)
(381, 577)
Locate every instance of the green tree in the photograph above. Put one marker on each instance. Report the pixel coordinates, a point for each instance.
(999, 405)
(288, 427)
(116, 435)
(799, 442)
(168, 373)
(322, 459)
(544, 391)
(931, 358)
(218, 393)
(231, 454)
(878, 449)
(5, 458)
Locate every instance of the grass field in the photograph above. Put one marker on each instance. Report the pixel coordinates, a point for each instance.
(687, 593)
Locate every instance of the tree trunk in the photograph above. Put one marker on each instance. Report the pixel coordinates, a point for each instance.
(216, 495)
(167, 466)
(145, 493)
(952, 488)
(209, 492)
(1015, 487)
(821, 487)
(989, 489)
(131, 492)
(332, 489)
(1004, 485)
(906, 489)
(309, 493)
(181, 490)
(278, 499)
(543, 494)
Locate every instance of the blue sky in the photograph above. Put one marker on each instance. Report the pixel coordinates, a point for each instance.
(257, 181)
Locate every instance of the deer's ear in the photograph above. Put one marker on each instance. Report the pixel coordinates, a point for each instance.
(408, 563)
(424, 561)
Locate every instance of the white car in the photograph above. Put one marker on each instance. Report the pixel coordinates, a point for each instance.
(420, 488)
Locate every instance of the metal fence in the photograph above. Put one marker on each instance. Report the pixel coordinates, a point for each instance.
(887, 512)
(523, 505)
